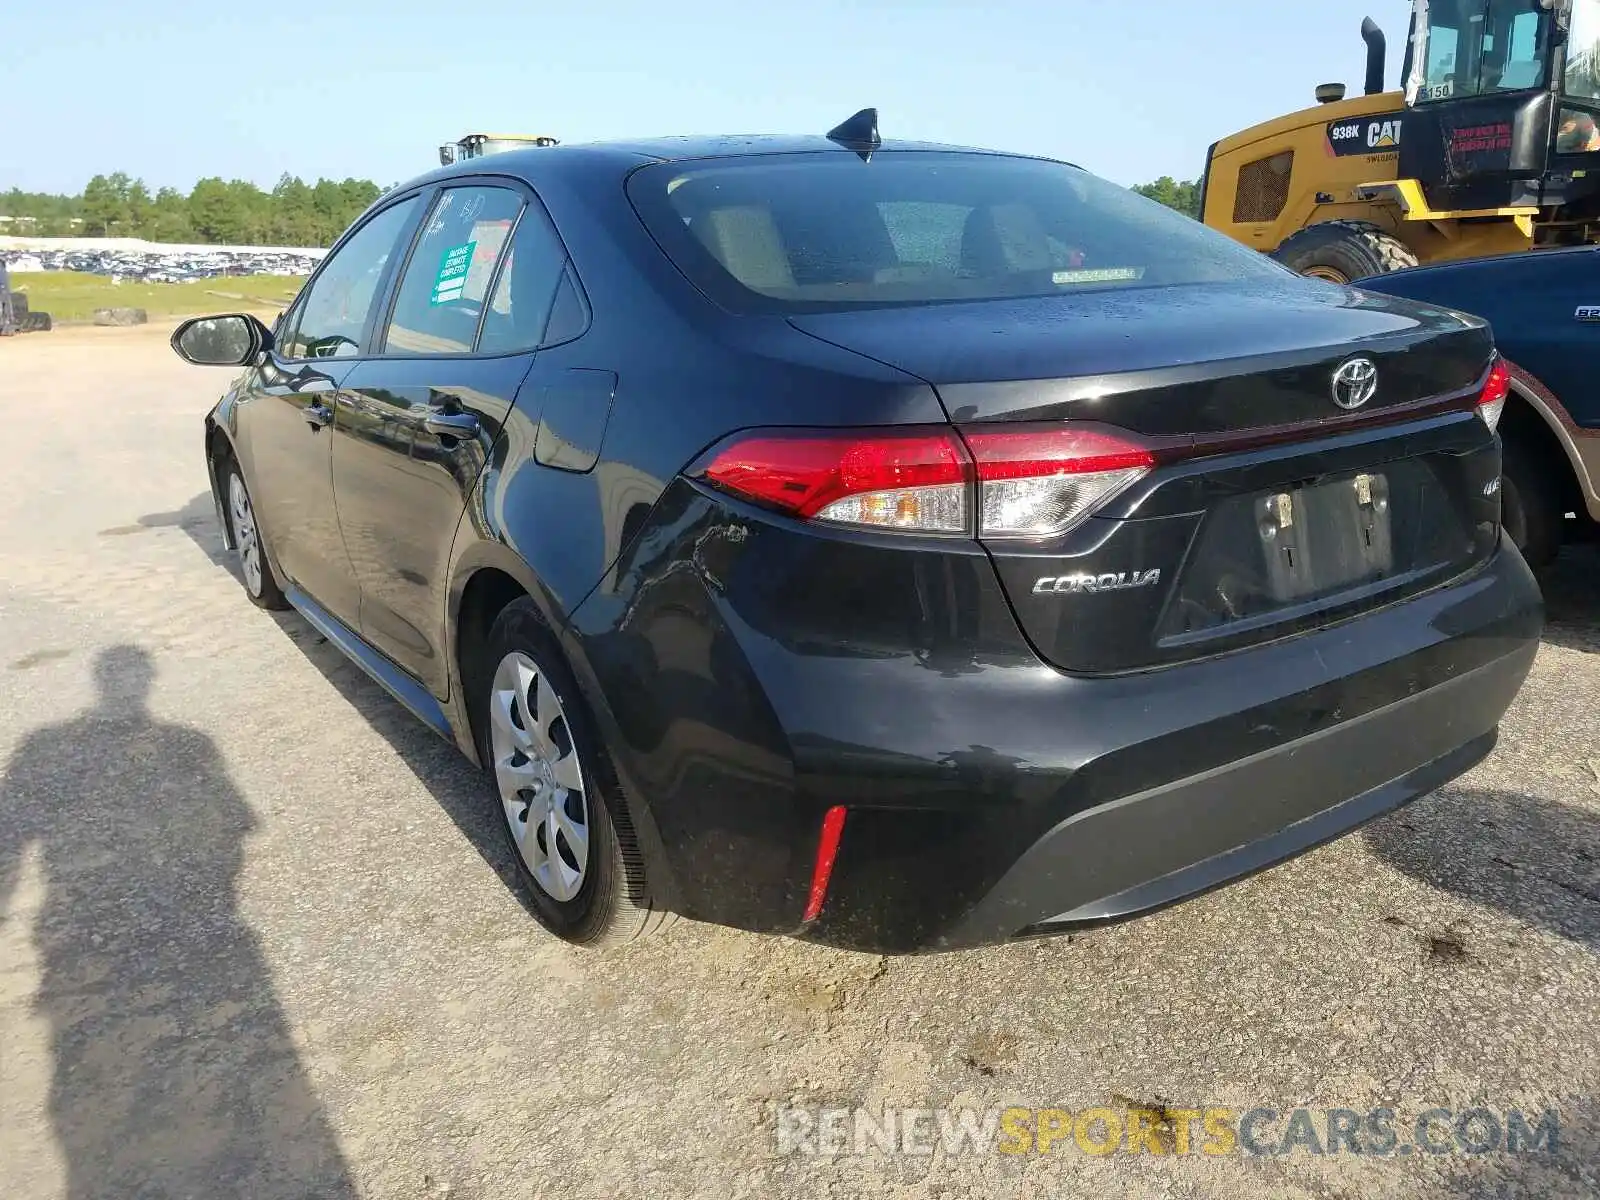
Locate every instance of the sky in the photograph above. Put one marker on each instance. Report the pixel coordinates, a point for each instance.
(175, 90)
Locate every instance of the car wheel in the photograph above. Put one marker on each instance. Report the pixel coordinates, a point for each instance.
(1530, 509)
(561, 809)
(1344, 251)
(260, 584)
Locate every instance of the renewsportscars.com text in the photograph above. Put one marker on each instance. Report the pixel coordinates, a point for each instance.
(1214, 1131)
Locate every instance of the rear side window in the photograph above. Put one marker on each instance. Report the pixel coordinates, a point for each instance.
(441, 298)
(569, 315)
(333, 315)
(820, 231)
(519, 311)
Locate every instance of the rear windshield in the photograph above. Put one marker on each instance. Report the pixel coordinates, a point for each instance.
(822, 231)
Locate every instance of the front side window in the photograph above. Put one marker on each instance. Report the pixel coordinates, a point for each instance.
(1577, 132)
(333, 315)
(441, 297)
(820, 231)
(1479, 47)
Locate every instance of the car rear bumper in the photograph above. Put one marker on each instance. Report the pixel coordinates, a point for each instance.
(988, 795)
(1169, 843)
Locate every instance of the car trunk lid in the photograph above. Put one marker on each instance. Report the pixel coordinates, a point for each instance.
(1272, 508)
(1172, 361)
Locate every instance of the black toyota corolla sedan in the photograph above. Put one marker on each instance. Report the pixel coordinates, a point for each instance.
(892, 545)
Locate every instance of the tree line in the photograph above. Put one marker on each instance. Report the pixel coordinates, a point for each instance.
(225, 212)
(1185, 196)
(294, 213)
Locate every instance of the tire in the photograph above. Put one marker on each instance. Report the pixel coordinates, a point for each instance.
(1344, 251)
(19, 306)
(551, 779)
(34, 322)
(255, 569)
(1530, 505)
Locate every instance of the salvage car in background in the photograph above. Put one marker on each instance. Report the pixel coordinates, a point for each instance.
(1545, 312)
(898, 546)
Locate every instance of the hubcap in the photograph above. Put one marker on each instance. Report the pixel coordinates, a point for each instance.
(541, 782)
(244, 532)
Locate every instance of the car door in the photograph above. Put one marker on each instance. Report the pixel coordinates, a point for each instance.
(1572, 361)
(287, 407)
(1545, 309)
(417, 420)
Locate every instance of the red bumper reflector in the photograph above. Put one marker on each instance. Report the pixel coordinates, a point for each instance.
(827, 851)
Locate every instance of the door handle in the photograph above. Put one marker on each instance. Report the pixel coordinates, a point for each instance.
(450, 424)
(318, 416)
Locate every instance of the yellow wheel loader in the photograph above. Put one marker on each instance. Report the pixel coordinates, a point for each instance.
(1492, 146)
(476, 145)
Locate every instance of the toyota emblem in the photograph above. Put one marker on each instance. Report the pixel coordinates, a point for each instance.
(1355, 383)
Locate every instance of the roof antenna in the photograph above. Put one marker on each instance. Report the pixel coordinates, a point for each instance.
(859, 133)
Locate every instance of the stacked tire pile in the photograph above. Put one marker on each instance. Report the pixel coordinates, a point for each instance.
(26, 320)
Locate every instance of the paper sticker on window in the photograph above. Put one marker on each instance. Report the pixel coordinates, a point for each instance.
(451, 282)
(1103, 275)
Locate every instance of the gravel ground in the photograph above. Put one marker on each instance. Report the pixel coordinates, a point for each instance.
(257, 939)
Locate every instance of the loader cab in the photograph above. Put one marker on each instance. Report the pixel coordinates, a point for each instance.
(1505, 103)
(476, 145)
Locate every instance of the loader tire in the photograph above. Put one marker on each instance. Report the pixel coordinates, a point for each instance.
(35, 322)
(19, 306)
(1344, 251)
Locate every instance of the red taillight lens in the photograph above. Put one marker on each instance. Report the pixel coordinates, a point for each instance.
(888, 479)
(1044, 480)
(1032, 481)
(1492, 403)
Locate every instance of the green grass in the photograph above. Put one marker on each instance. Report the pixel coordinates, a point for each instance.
(72, 296)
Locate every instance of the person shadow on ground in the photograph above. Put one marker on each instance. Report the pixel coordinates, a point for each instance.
(174, 1074)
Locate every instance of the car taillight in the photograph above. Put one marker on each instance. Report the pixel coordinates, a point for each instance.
(1020, 482)
(878, 479)
(1492, 403)
(1042, 481)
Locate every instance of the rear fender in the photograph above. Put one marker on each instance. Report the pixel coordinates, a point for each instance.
(1581, 446)
(530, 552)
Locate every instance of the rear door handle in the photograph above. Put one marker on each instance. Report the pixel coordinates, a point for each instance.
(450, 424)
(319, 416)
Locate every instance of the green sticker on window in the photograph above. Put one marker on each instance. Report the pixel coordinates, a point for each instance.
(451, 282)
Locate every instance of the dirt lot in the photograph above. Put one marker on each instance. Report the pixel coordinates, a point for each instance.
(256, 939)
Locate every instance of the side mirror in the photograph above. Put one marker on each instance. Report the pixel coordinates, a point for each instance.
(230, 341)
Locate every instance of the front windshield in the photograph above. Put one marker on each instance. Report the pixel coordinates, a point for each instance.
(1479, 47)
(501, 145)
(1582, 81)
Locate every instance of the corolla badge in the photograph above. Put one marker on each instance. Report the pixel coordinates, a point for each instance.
(1124, 581)
(1355, 383)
